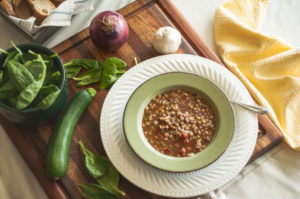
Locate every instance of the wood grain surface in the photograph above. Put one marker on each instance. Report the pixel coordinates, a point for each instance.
(144, 18)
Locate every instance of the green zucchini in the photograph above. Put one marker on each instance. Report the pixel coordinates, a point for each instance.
(57, 159)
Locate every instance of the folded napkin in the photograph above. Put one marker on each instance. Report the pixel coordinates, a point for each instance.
(61, 16)
(268, 67)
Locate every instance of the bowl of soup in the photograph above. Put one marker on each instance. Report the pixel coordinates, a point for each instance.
(178, 122)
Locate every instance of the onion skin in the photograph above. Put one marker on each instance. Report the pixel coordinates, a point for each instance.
(109, 30)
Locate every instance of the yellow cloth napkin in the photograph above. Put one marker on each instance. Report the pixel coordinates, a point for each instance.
(268, 67)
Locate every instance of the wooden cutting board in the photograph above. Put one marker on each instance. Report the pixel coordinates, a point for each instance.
(144, 18)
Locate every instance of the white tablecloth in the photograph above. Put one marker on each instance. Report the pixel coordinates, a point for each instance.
(276, 175)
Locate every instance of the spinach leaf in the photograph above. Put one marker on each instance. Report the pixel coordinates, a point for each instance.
(53, 78)
(111, 180)
(3, 51)
(49, 61)
(92, 91)
(45, 90)
(1, 78)
(17, 49)
(47, 96)
(113, 69)
(22, 76)
(109, 76)
(19, 75)
(135, 61)
(46, 59)
(27, 95)
(35, 67)
(94, 191)
(53, 55)
(33, 53)
(13, 55)
(90, 76)
(119, 63)
(28, 57)
(12, 101)
(50, 96)
(103, 171)
(86, 63)
(7, 90)
(72, 70)
(106, 73)
(95, 164)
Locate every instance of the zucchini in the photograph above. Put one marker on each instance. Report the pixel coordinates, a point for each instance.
(57, 159)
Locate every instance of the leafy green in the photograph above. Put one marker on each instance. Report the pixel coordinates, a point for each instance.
(7, 90)
(114, 68)
(105, 73)
(95, 164)
(53, 78)
(105, 174)
(49, 61)
(94, 191)
(92, 92)
(135, 60)
(111, 180)
(28, 57)
(26, 96)
(19, 75)
(89, 77)
(12, 100)
(109, 77)
(119, 63)
(1, 78)
(48, 95)
(24, 74)
(45, 90)
(13, 55)
(35, 67)
(53, 55)
(34, 53)
(49, 100)
(17, 49)
(72, 70)
(86, 63)
(3, 51)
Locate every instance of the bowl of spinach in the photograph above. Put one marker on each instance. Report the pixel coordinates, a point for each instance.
(33, 85)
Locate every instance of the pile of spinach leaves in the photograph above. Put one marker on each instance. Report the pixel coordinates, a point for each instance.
(28, 79)
(105, 73)
(105, 174)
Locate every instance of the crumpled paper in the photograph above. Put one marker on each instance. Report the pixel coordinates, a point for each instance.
(61, 16)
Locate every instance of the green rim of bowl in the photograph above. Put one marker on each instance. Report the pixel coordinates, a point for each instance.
(38, 49)
(134, 110)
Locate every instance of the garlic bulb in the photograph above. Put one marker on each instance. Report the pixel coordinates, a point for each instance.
(166, 40)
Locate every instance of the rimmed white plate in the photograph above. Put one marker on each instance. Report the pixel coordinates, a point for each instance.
(177, 184)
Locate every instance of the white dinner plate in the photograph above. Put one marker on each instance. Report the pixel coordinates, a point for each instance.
(177, 184)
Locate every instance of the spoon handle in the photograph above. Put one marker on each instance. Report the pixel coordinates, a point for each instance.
(255, 108)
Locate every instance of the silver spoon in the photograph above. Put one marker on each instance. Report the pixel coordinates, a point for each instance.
(254, 108)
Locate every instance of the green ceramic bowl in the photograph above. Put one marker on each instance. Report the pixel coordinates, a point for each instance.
(34, 116)
(134, 110)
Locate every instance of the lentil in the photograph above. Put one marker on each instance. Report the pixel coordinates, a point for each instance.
(175, 125)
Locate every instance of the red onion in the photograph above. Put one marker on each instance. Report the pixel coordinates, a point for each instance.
(109, 30)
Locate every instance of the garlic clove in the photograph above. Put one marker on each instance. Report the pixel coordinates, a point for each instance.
(166, 40)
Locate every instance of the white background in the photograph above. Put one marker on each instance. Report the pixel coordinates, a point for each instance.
(276, 175)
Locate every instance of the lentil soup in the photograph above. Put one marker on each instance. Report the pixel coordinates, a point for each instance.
(179, 123)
